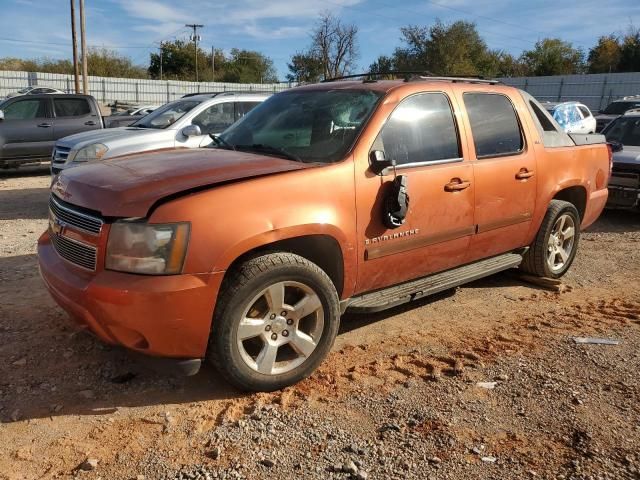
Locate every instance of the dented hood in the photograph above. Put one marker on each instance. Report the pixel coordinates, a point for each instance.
(130, 186)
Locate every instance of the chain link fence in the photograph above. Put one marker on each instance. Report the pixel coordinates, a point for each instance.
(129, 90)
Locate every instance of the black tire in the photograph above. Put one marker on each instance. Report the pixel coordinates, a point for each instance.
(535, 260)
(242, 284)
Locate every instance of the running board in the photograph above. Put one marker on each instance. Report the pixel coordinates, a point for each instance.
(438, 282)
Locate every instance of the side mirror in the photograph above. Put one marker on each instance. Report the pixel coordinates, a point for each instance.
(379, 161)
(1, 115)
(191, 131)
(616, 146)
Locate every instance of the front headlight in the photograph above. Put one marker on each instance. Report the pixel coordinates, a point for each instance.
(137, 247)
(88, 153)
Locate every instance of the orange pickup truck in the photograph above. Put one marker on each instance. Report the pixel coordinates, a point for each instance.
(352, 195)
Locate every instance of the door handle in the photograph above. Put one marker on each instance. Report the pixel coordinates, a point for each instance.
(523, 174)
(456, 185)
(44, 125)
(90, 122)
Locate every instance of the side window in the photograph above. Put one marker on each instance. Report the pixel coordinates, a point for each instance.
(494, 125)
(71, 107)
(585, 111)
(420, 129)
(26, 109)
(216, 118)
(242, 108)
(543, 119)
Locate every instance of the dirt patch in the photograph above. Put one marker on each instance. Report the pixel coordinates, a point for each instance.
(482, 382)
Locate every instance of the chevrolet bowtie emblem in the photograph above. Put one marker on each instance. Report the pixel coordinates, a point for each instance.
(56, 225)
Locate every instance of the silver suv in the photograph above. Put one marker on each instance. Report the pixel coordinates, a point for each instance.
(184, 123)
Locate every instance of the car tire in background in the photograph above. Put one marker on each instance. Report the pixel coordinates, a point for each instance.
(276, 319)
(556, 243)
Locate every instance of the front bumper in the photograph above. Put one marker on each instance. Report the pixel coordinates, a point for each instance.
(165, 316)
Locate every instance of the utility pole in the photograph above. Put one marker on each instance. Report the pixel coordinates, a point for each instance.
(160, 60)
(195, 37)
(83, 47)
(213, 64)
(74, 41)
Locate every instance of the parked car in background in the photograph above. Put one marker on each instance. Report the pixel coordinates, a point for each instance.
(129, 116)
(35, 90)
(624, 185)
(615, 109)
(573, 117)
(326, 198)
(30, 125)
(185, 123)
(140, 110)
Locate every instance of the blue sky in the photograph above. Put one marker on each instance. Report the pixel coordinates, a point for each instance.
(40, 28)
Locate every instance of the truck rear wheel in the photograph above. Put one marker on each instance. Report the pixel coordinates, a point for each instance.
(276, 320)
(556, 242)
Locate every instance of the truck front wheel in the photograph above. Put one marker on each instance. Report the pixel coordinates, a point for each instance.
(556, 242)
(276, 319)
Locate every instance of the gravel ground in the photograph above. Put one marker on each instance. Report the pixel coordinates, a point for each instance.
(484, 382)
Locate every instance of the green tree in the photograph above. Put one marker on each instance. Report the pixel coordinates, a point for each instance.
(552, 56)
(630, 52)
(445, 49)
(304, 68)
(103, 62)
(604, 57)
(248, 66)
(178, 61)
(241, 66)
(100, 62)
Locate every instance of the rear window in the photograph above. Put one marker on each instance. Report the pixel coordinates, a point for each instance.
(494, 125)
(585, 111)
(71, 107)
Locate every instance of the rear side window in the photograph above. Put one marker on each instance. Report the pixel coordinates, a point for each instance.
(25, 109)
(421, 129)
(585, 111)
(71, 107)
(494, 125)
(543, 119)
(242, 108)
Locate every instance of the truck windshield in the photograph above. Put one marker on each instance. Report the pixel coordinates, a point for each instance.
(166, 115)
(618, 108)
(305, 125)
(625, 130)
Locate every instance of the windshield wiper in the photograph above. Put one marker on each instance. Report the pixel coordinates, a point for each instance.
(262, 148)
(221, 142)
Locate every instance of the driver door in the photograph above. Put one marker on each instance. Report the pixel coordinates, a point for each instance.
(422, 135)
(213, 119)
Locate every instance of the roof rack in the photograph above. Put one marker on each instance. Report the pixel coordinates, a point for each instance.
(412, 76)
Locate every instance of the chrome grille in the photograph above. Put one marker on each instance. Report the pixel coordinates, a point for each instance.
(74, 218)
(60, 154)
(75, 252)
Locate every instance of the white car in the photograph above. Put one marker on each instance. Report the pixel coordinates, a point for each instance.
(184, 123)
(34, 90)
(573, 117)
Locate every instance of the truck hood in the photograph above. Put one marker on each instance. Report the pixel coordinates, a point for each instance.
(629, 155)
(129, 186)
(110, 136)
